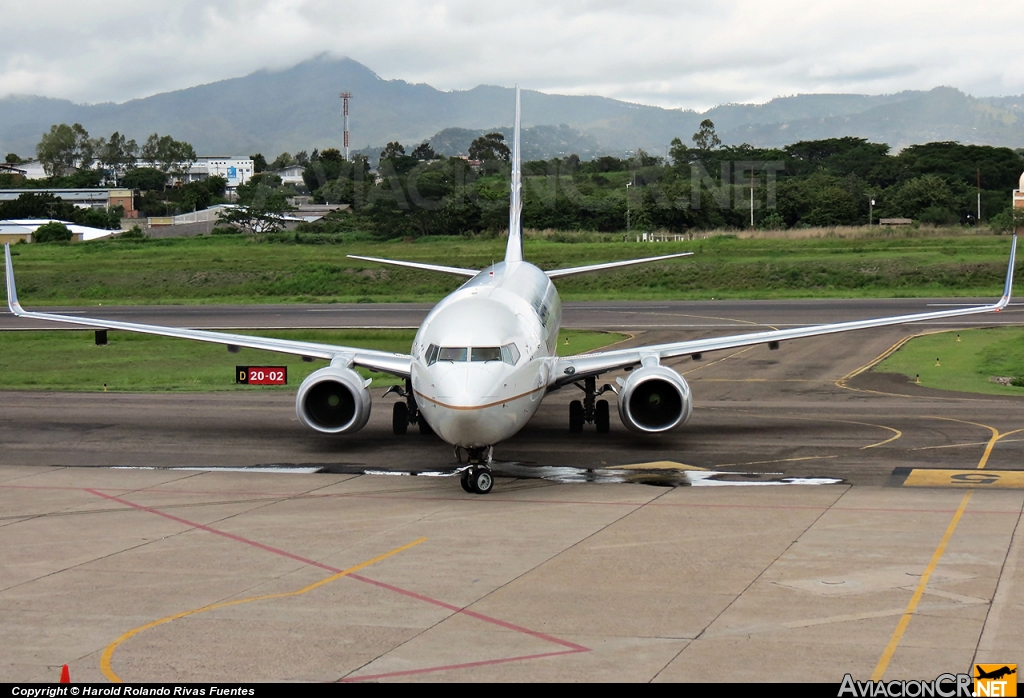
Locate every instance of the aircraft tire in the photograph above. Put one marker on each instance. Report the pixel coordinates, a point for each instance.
(575, 417)
(601, 420)
(400, 418)
(481, 480)
(464, 480)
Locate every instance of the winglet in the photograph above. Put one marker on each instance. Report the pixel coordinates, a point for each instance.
(1008, 287)
(12, 292)
(514, 250)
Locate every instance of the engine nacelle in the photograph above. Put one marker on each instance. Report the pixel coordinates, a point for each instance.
(333, 400)
(654, 399)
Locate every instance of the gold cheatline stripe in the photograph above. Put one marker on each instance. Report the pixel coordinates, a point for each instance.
(478, 407)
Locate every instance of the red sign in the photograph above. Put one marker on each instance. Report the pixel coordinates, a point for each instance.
(261, 375)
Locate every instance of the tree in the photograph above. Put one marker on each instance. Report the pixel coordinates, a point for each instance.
(259, 163)
(424, 152)
(12, 159)
(117, 155)
(282, 161)
(323, 167)
(168, 155)
(54, 231)
(490, 147)
(302, 158)
(706, 138)
(263, 214)
(33, 205)
(64, 148)
(392, 151)
(145, 179)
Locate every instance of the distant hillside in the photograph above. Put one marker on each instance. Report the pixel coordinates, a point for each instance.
(299, 109)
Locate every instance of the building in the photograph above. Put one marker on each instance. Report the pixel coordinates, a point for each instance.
(83, 198)
(9, 169)
(291, 175)
(1018, 194)
(12, 231)
(237, 170)
(33, 169)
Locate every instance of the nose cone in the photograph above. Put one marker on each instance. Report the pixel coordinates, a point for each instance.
(472, 407)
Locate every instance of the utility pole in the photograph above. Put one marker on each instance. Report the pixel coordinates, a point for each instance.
(871, 211)
(978, 219)
(344, 110)
(751, 197)
(628, 185)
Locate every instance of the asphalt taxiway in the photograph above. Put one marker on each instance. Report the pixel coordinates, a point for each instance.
(698, 560)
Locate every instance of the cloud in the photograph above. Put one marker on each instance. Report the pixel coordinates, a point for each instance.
(691, 53)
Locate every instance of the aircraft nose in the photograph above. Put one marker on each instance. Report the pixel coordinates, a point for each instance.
(469, 384)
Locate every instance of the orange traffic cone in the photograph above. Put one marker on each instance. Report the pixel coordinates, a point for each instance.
(65, 675)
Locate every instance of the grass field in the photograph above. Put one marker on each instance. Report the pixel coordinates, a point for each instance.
(70, 360)
(237, 269)
(966, 365)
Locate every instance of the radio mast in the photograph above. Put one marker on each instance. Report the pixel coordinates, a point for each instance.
(344, 110)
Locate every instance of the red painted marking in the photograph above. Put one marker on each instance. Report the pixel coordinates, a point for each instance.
(215, 531)
(467, 665)
(473, 614)
(573, 648)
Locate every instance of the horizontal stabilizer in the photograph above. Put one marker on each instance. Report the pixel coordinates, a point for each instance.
(457, 271)
(555, 273)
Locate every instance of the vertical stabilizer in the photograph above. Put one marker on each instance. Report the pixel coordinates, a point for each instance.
(514, 250)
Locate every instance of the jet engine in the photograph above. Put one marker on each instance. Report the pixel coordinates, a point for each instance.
(654, 399)
(333, 400)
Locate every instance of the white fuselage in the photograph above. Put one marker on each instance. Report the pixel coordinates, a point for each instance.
(482, 359)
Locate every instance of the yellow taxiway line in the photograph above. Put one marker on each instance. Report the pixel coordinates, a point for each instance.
(901, 627)
(108, 653)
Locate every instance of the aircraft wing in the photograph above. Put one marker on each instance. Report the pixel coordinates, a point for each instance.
(555, 273)
(457, 271)
(572, 368)
(395, 364)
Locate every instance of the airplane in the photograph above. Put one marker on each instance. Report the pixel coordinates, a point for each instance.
(485, 356)
(994, 674)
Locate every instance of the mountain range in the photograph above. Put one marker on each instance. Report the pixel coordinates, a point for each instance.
(299, 109)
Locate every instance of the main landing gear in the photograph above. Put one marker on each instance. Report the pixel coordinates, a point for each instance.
(406, 413)
(477, 478)
(590, 410)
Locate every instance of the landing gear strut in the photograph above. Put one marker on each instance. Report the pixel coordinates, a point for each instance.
(477, 478)
(590, 410)
(406, 413)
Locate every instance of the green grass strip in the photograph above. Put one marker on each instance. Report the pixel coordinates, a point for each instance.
(962, 361)
(71, 361)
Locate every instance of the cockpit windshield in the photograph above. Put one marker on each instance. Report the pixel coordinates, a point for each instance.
(485, 354)
(508, 353)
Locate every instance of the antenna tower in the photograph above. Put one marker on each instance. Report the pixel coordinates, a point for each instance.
(344, 110)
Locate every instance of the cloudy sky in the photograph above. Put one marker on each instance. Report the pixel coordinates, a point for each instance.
(686, 53)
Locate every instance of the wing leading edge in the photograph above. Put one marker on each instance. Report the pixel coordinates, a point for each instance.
(395, 364)
(572, 368)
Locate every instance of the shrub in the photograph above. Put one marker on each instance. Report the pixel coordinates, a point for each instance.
(54, 231)
(133, 233)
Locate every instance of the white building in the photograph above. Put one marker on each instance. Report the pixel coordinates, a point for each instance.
(13, 230)
(33, 169)
(237, 170)
(291, 175)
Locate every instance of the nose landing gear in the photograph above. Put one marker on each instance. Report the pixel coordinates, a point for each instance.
(477, 478)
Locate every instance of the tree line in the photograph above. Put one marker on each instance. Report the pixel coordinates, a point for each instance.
(701, 185)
